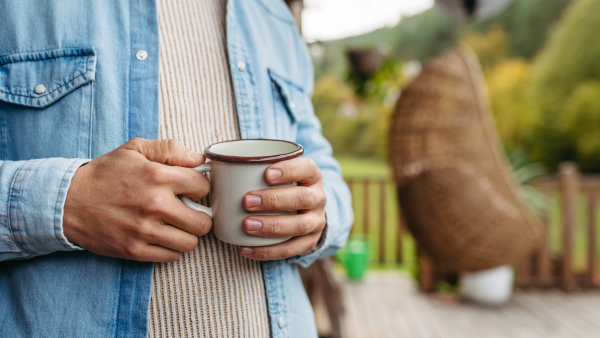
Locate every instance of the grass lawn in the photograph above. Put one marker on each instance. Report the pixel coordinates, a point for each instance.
(358, 169)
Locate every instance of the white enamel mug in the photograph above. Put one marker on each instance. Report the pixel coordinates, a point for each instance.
(236, 168)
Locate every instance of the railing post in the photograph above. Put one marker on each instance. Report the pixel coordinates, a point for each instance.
(591, 233)
(544, 263)
(569, 181)
(366, 207)
(382, 208)
(399, 233)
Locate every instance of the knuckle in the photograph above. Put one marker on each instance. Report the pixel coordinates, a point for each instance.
(146, 230)
(307, 197)
(155, 173)
(264, 253)
(154, 203)
(272, 198)
(173, 144)
(191, 243)
(291, 167)
(304, 225)
(132, 251)
(308, 248)
(136, 141)
(313, 167)
(322, 199)
(173, 257)
(204, 187)
(288, 251)
(203, 226)
(274, 227)
(309, 162)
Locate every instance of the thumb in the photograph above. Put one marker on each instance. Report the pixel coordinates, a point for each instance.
(170, 152)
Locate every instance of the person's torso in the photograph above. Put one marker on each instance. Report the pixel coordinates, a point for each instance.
(74, 83)
(211, 291)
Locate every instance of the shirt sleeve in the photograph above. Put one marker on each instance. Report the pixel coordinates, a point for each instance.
(32, 199)
(338, 209)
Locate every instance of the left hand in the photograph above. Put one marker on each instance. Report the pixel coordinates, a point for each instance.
(308, 198)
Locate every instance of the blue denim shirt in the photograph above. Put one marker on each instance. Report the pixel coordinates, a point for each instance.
(96, 95)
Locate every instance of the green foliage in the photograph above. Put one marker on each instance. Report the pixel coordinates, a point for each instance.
(525, 171)
(545, 93)
(563, 84)
(352, 126)
(419, 37)
(425, 35)
(514, 112)
(581, 122)
(358, 125)
(527, 23)
(490, 46)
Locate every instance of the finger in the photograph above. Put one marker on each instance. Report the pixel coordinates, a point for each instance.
(293, 247)
(155, 253)
(183, 181)
(170, 152)
(173, 238)
(280, 199)
(301, 169)
(179, 215)
(284, 225)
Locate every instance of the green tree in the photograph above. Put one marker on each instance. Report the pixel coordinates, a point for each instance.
(582, 124)
(527, 23)
(569, 60)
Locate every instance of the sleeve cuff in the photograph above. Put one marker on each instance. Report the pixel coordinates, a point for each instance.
(36, 204)
(329, 241)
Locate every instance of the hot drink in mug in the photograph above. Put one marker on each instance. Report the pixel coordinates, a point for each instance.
(236, 168)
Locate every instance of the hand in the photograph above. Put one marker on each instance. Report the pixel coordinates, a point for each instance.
(309, 198)
(124, 203)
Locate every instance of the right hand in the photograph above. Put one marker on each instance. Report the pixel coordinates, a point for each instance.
(124, 203)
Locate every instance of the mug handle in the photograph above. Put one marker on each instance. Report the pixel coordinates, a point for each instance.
(190, 203)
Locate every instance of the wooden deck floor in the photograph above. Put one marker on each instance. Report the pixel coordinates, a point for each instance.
(388, 305)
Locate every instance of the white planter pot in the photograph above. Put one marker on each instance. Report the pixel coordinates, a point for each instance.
(493, 286)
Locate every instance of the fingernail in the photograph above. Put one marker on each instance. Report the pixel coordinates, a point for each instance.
(253, 201)
(274, 175)
(196, 156)
(253, 224)
(247, 251)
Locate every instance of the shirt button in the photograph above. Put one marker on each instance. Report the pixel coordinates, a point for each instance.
(241, 65)
(40, 88)
(281, 322)
(141, 55)
(292, 106)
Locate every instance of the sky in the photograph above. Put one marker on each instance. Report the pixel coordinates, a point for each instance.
(334, 19)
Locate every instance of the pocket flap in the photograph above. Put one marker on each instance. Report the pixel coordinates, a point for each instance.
(296, 101)
(55, 72)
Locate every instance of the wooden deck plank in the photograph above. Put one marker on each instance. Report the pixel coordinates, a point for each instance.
(387, 304)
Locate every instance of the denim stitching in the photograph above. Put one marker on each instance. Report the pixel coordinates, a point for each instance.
(58, 198)
(28, 164)
(50, 93)
(31, 56)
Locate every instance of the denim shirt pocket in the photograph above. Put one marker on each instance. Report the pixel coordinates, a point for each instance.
(291, 104)
(46, 97)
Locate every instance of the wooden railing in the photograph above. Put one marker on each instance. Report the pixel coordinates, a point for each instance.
(377, 214)
(572, 262)
(567, 257)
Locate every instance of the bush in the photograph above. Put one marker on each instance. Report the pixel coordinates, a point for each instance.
(562, 85)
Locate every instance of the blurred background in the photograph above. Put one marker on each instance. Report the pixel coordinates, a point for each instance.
(540, 67)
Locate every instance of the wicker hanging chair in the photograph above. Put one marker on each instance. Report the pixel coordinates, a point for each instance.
(458, 195)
